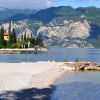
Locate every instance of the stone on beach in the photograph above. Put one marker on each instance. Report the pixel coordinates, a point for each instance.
(87, 66)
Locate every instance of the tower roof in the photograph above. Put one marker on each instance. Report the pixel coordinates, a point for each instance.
(6, 34)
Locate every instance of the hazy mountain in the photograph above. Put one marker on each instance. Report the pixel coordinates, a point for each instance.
(17, 14)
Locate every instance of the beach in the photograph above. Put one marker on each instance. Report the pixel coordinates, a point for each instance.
(29, 80)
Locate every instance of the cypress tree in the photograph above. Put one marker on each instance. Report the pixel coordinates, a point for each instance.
(24, 36)
(2, 36)
(39, 41)
(10, 38)
(10, 35)
(14, 36)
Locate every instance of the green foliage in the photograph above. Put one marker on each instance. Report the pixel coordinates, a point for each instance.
(13, 36)
(2, 46)
(65, 60)
(13, 43)
(77, 60)
(2, 36)
(39, 41)
(19, 44)
(10, 39)
(10, 36)
(25, 36)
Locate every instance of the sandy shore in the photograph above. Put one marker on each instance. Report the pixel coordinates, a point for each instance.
(24, 76)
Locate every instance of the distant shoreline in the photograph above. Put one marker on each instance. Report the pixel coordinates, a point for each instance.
(23, 51)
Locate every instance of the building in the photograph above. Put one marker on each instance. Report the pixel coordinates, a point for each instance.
(6, 30)
(6, 36)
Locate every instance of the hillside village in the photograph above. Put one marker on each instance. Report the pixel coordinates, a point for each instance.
(9, 38)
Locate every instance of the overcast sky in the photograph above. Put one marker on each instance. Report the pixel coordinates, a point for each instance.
(25, 4)
(38, 4)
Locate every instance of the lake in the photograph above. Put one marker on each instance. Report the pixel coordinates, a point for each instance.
(73, 85)
(55, 54)
(78, 86)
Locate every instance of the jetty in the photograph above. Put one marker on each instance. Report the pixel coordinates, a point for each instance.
(23, 51)
(84, 66)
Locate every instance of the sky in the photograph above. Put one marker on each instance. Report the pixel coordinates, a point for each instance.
(41, 4)
(77, 3)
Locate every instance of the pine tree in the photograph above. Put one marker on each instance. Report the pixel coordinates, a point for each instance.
(2, 36)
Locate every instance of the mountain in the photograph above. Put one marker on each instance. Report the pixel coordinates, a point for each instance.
(66, 33)
(64, 26)
(7, 14)
(46, 15)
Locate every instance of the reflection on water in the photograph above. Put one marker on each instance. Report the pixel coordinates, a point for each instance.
(78, 86)
(56, 54)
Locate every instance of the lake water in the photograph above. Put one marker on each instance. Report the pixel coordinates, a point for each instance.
(78, 86)
(74, 85)
(55, 54)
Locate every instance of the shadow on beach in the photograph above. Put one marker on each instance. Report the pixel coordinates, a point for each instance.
(27, 94)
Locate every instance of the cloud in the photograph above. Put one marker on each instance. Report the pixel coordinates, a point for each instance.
(24, 4)
(38, 4)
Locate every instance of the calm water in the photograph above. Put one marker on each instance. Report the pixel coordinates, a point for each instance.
(74, 85)
(78, 86)
(56, 54)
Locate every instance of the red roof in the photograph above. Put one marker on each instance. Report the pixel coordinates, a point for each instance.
(6, 34)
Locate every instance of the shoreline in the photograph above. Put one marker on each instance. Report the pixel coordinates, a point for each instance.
(34, 80)
(23, 78)
(23, 51)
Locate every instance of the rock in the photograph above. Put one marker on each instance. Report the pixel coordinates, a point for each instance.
(66, 33)
(58, 32)
(86, 66)
(67, 29)
(90, 66)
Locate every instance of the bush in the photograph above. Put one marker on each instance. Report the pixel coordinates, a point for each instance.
(2, 46)
(14, 45)
(20, 43)
(77, 60)
(65, 60)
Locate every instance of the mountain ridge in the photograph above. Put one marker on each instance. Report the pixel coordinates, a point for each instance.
(52, 18)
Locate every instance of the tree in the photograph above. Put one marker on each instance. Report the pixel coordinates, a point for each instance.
(24, 36)
(39, 41)
(32, 40)
(2, 36)
(10, 35)
(77, 60)
(13, 36)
